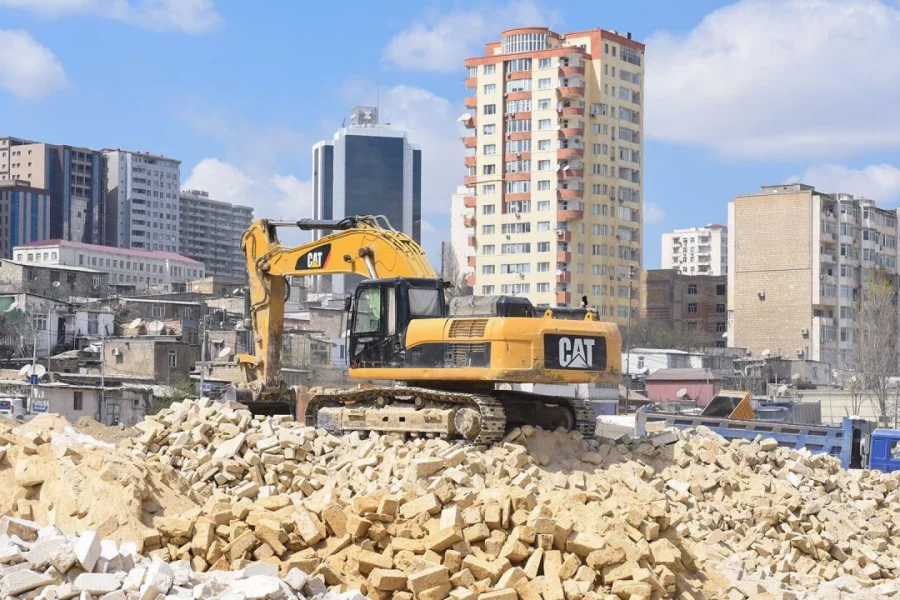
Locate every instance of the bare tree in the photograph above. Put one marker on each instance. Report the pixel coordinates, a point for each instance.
(451, 272)
(651, 333)
(875, 340)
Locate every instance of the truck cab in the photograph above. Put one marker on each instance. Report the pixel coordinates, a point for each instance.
(884, 452)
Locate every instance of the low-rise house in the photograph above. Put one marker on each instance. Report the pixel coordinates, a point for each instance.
(683, 385)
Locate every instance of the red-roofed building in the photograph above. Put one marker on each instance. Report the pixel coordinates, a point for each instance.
(129, 269)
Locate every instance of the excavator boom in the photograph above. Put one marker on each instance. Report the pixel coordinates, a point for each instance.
(366, 246)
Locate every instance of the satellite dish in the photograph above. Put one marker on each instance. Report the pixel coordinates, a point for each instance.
(464, 117)
(795, 377)
(681, 393)
(155, 327)
(24, 371)
(136, 323)
(225, 352)
(725, 335)
(782, 389)
(29, 370)
(766, 352)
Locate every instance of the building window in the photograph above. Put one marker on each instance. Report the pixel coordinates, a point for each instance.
(543, 185)
(487, 250)
(692, 288)
(692, 307)
(488, 190)
(489, 129)
(489, 149)
(543, 287)
(77, 401)
(691, 325)
(544, 124)
(543, 267)
(720, 289)
(489, 69)
(488, 169)
(487, 229)
(489, 89)
(721, 327)
(96, 281)
(720, 309)
(488, 209)
(543, 144)
(487, 269)
(490, 109)
(543, 206)
(487, 290)
(39, 322)
(158, 311)
(173, 358)
(544, 84)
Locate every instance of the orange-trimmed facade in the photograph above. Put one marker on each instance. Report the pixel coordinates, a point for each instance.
(554, 169)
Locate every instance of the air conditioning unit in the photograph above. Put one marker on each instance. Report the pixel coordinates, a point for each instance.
(518, 216)
(800, 352)
(560, 231)
(508, 236)
(521, 275)
(116, 352)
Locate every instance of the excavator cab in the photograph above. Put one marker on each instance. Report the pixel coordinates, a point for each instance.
(381, 311)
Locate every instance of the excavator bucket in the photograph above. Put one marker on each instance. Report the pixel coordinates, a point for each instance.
(730, 404)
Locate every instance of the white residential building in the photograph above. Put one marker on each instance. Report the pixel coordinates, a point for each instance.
(129, 269)
(142, 203)
(697, 250)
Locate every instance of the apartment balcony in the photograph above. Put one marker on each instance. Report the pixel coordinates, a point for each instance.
(569, 194)
(471, 241)
(567, 133)
(564, 277)
(471, 102)
(571, 111)
(517, 197)
(571, 91)
(829, 239)
(470, 161)
(567, 153)
(470, 180)
(569, 215)
(828, 257)
(570, 174)
(471, 82)
(563, 235)
(469, 221)
(563, 298)
(563, 256)
(516, 176)
(571, 71)
(470, 261)
(470, 202)
(471, 122)
(470, 142)
(519, 95)
(470, 280)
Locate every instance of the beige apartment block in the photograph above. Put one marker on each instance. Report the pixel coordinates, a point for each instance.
(696, 250)
(796, 259)
(553, 207)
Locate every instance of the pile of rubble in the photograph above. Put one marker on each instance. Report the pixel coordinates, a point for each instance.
(44, 563)
(219, 498)
(51, 473)
(545, 514)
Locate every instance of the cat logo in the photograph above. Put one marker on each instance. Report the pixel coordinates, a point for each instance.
(576, 353)
(314, 259)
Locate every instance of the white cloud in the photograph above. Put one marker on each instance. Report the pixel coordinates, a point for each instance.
(190, 16)
(876, 182)
(653, 214)
(786, 79)
(441, 42)
(28, 69)
(271, 196)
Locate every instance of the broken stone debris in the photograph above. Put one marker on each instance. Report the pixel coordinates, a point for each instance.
(542, 515)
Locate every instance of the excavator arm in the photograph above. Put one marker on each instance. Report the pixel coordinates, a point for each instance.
(364, 245)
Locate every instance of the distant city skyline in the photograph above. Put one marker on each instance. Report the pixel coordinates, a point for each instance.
(215, 92)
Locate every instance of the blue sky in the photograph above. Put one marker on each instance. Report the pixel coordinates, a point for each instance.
(738, 94)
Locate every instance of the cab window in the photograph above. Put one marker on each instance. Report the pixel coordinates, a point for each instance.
(368, 311)
(424, 302)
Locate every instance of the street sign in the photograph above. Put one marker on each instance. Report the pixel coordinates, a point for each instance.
(40, 406)
(206, 388)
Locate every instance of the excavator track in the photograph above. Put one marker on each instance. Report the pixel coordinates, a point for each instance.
(477, 418)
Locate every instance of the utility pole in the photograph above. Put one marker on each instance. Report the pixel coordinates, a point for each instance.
(204, 325)
(631, 272)
(102, 371)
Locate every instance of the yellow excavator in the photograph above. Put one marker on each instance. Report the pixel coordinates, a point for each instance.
(452, 365)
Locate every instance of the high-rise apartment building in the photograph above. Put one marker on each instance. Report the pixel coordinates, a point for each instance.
(24, 214)
(697, 250)
(462, 217)
(211, 233)
(797, 260)
(141, 192)
(554, 167)
(367, 169)
(71, 174)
